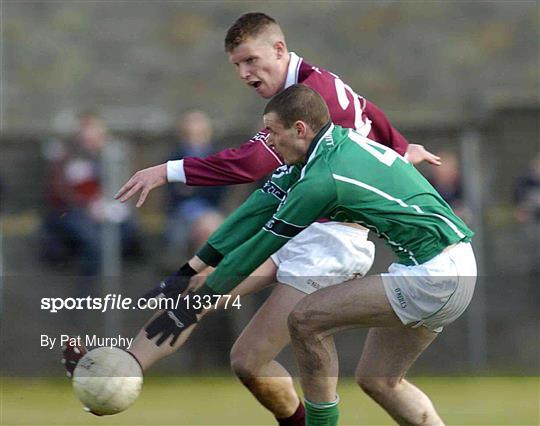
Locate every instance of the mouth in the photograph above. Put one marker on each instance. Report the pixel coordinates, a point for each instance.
(255, 84)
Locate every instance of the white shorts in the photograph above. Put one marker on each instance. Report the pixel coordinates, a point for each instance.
(322, 255)
(434, 293)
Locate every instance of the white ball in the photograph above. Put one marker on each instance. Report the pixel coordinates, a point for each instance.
(107, 380)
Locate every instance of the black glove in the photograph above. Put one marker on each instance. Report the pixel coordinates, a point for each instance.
(174, 321)
(173, 285)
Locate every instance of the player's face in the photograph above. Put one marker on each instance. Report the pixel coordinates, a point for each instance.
(285, 141)
(260, 65)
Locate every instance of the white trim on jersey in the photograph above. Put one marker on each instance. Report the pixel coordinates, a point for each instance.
(370, 188)
(325, 136)
(175, 171)
(271, 152)
(398, 201)
(289, 223)
(276, 234)
(292, 71)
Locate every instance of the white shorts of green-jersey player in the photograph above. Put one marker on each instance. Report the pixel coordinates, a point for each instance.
(432, 294)
(324, 254)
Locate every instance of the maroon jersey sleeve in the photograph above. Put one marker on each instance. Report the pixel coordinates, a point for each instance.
(383, 132)
(249, 162)
(350, 110)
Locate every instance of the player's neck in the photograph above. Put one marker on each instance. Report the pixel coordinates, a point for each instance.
(285, 70)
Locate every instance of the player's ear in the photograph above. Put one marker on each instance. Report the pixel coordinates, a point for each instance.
(279, 47)
(301, 129)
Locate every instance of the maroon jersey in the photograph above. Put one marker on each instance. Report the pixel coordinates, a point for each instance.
(254, 159)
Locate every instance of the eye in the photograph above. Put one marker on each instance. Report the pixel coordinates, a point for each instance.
(250, 61)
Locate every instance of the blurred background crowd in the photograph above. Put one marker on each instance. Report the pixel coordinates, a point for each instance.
(93, 91)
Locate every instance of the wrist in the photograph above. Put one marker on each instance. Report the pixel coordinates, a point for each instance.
(186, 271)
(197, 264)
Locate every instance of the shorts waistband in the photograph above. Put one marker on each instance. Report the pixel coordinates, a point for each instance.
(349, 227)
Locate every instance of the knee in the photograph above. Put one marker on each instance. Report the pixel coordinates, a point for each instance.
(301, 323)
(375, 386)
(242, 364)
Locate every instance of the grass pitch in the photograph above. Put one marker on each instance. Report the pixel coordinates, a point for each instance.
(223, 401)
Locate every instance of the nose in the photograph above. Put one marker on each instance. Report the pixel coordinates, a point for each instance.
(243, 71)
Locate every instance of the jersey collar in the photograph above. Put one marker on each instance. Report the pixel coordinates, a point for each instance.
(292, 71)
(324, 132)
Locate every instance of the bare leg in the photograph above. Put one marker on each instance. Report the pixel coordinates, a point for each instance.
(357, 303)
(252, 356)
(146, 351)
(388, 354)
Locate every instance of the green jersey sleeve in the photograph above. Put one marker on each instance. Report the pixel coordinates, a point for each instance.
(250, 217)
(312, 197)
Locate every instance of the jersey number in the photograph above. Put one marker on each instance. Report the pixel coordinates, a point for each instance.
(341, 91)
(382, 153)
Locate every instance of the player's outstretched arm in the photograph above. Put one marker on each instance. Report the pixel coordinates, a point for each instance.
(248, 163)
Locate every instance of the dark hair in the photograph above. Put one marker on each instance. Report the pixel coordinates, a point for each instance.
(248, 25)
(299, 102)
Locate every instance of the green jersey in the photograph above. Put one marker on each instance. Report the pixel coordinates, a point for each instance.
(250, 217)
(349, 178)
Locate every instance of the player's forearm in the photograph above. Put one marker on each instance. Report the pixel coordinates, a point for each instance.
(242, 261)
(399, 143)
(247, 163)
(240, 226)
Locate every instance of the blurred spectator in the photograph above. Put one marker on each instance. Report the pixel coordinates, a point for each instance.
(76, 209)
(446, 179)
(193, 212)
(527, 214)
(527, 194)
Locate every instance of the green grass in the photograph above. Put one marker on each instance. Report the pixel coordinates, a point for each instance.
(223, 401)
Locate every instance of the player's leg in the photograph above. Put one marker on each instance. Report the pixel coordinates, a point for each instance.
(356, 303)
(388, 353)
(433, 294)
(148, 353)
(322, 255)
(252, 356)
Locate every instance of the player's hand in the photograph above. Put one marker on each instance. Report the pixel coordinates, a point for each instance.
(144, 180)
(172, 286)
(417, 153)
(172, 322)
